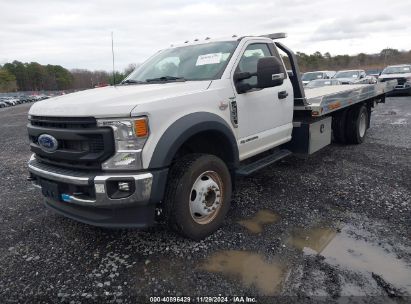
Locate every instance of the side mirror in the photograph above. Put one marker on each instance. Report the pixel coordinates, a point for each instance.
(270, 72)
(242, 75)
(361, 76)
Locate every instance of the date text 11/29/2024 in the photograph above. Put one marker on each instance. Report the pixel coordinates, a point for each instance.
(218, 299)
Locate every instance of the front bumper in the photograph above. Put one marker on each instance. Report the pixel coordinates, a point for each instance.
(402, 89)
(86, 196)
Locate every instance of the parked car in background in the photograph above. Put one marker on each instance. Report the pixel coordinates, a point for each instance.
(322, 83)
(401, 73)
(24, 99)
(13, 100)
(374, 72)
(370, 79)
(310, 76)
(10, 101)
(351, 76)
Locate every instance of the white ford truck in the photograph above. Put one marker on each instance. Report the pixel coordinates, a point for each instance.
(170, 140)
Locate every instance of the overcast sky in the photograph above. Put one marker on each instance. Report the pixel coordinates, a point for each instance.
(77, 33)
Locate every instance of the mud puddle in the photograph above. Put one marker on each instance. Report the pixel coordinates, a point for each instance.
(344, 250)
(256, 223)
(250, 268)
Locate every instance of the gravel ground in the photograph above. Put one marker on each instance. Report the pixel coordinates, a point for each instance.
(333, 227)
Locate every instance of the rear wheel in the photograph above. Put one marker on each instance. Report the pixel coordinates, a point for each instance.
(339, 127)
(198, 195)
(357, 124)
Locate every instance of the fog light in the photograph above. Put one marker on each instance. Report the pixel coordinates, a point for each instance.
(117, 189)
(124, 186)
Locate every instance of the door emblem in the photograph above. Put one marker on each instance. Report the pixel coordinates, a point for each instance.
(233, 112)
(47, 143)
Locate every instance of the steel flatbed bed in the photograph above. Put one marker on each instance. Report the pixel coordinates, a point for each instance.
(324, 100)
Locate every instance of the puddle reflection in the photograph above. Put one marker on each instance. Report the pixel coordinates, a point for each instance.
(251, 268)
(261, 218)
(355, 254)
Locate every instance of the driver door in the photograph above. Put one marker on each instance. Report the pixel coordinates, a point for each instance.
(264, 115)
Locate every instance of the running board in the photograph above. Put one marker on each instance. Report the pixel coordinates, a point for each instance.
(262, 162)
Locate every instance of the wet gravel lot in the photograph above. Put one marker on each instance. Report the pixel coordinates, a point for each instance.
(333, 227)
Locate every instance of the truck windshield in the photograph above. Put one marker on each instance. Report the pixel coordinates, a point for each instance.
(193, 62)
(311, 76)
(346, 74)
(397, 70)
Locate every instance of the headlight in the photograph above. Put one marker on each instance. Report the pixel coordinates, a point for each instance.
(130, 135)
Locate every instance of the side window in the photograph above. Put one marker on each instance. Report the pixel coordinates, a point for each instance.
(249, 59)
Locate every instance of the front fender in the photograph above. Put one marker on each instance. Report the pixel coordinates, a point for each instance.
(184, 128)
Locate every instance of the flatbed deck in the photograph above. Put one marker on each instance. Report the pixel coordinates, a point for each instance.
(324, 100)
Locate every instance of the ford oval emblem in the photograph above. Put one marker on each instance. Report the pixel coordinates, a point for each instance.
(47, 143)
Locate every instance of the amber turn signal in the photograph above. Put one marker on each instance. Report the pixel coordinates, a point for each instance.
(141, 127)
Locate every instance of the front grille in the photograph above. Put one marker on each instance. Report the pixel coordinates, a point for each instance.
(401, 81)
(63, 122)
(93, 144)
(71, 164)
(81, 144)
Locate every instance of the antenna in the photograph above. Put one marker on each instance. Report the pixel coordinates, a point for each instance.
(112, 52)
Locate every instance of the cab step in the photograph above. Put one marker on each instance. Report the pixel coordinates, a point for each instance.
(265, 161)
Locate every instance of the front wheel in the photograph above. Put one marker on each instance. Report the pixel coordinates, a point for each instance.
(198, 195)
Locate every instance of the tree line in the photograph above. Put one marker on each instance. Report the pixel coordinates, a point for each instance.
(375, 62)
(19, 76)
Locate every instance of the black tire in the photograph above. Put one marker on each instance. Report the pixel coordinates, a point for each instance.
(339, 126)
(183, 175)
(355, 132)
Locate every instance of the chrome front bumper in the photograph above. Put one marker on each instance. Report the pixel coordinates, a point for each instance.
(140, 196)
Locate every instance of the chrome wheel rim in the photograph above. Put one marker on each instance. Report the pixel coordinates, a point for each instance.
(363, 124)
(206, 197)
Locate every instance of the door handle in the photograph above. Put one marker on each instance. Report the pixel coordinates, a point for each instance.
(282, 94)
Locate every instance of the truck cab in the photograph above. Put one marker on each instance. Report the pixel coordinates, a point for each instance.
(169, 141)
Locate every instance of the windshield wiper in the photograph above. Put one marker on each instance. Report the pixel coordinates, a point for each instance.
(131, 81)
(166, 78)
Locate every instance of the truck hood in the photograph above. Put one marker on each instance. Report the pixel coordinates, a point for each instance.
(348, 79)
(400, 75)
(112, 101)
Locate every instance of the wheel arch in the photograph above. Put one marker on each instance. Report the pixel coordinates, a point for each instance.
(189, 130)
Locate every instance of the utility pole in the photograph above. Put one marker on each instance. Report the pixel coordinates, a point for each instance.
(112, 52)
